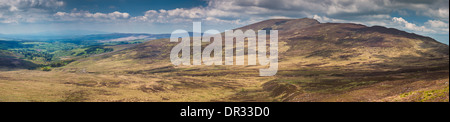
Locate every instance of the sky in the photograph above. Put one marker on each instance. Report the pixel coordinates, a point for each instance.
(424, 17)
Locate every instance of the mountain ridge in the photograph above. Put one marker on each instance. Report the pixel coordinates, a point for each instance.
(309, 38)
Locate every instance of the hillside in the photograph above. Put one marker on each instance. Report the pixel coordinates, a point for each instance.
(317, 62)
(9, 61)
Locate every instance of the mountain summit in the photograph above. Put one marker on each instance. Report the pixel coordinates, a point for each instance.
(346, 43)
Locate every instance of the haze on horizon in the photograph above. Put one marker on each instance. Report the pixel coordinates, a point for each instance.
(424, 17)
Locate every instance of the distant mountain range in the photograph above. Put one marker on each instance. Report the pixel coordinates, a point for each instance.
(50, 35)
(79, 35)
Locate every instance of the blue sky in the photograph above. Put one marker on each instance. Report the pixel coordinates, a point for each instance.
(425, 17)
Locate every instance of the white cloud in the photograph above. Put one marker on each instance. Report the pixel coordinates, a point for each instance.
(173, 16)
(19, 5)
(429, 27)
(87, 16)
(16, 11)
(13, 8)
(411, 26)
(370, 20)
(324, 19)
(130, 38)
(437, 24)
(184, 15)
(443, 13)
(439, 13)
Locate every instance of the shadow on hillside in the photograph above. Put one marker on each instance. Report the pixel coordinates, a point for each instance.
(8, 63)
